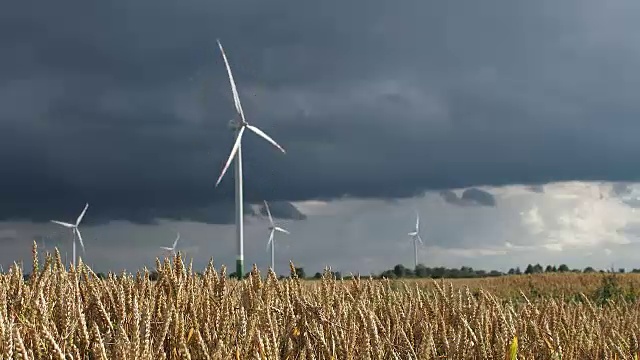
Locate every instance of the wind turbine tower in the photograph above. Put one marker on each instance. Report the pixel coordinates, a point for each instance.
(272, 242)
(239, 125)
(75, 231)
(172, 249)
(415, 236)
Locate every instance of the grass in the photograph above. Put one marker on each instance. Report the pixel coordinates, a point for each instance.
(63, 314)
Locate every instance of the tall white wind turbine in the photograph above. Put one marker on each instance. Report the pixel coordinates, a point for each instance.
(272, 242)
(415, 236)
(172, 249)
(75, 231)
(239, 124)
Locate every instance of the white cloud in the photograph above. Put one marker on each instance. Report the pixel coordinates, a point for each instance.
(532, 220)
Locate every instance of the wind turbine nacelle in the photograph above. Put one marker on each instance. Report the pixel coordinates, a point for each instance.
(234, 124)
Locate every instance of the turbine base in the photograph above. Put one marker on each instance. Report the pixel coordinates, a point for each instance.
(239, 268)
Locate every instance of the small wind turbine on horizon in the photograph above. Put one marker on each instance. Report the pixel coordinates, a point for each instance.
(75, 231)
(272, 242)
(172, 249)
(415, 236)
(239, 125)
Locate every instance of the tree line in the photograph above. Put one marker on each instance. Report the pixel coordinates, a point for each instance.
(423, 272)
(465, 272)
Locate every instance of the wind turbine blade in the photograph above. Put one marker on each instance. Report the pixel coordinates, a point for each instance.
(277, 228)
(413, 233)
(67, 225)
(417, 222)
(176, 242)
(419, 239)
(82, 214)
(234, 150)
(166, 248)
(270, 242)
(79, 238)
(263, 135)
(268, 212)
(236, 98)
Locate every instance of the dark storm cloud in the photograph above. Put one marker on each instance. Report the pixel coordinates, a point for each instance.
(470, 197)
(222, 212)
(283, 210)
(125, 104)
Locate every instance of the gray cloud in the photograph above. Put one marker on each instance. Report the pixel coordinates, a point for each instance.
(536, 188)
(621, 189)
(126, 105)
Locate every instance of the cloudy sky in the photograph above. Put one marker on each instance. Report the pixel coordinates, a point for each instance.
(510, 126)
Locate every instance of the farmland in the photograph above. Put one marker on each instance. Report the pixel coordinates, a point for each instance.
(71, 313)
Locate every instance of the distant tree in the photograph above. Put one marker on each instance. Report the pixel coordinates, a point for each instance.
(317, 276)
(455, 274)
(421, 271)
(409, 272)
(554, 269)
(537, 268)
(563, 268)
(439, 272)
(389, 274)
(548, 269)
(621, 271)
(518, 271)
(529, 269)
(399, 270)
(300, 272)
(635, 271)
(588, 269)
(511, 271)
(466, 270)
(153, 276)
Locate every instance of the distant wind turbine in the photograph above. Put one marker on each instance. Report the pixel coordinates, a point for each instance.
(272, 229)
(239, 125)
(415, 236)
(172, 249)
(75, 231)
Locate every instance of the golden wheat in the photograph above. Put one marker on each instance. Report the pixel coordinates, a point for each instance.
(73, 314)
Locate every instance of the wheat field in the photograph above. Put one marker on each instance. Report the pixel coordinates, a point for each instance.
(73, 314)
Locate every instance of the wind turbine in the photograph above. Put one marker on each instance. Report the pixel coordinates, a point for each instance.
(173, 247)
(239, 125)
(415, 236)
(272, 229)
(75, 231)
